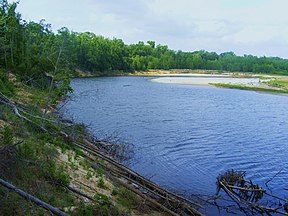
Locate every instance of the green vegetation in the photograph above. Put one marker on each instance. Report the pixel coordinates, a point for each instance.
(7, 136)
(31, 51)
(101, 182)
(35, 67)
(252, 88)
(126, 198)
(278, 83)
(268, 84)
(31, 160)
(30, 165)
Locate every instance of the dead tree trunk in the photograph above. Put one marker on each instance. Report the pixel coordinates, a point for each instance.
(13, 107)
(33, 199)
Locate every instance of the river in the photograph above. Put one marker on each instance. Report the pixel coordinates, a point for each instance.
(186, 135)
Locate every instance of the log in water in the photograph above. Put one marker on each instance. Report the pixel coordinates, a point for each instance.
(185, 135)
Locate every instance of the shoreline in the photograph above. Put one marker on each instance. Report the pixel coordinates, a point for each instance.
(205, 80)
(82, 166)
(268, 90)
(266, 83)
(174, 72)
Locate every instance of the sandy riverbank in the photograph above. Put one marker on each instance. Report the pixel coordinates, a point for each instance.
(278, 85)
(206, 79)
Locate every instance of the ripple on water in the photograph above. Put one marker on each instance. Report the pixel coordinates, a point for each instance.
(185, 136)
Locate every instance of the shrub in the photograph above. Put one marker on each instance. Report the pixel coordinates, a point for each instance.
(7, 136)
(6, 87)
(127, 198)
(101, 182)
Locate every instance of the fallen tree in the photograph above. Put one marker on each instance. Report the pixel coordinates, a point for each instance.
(167, 201)
(5, 100)
(247, 195)
(32, 198)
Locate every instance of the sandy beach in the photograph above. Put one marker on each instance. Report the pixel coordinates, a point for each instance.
(205, 79)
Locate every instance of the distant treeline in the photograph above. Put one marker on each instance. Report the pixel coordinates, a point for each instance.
(31, 49)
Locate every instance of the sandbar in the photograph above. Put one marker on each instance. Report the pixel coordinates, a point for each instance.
(206, 79)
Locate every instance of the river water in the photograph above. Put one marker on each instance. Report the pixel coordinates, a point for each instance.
(186, 135)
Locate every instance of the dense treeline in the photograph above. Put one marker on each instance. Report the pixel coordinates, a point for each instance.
(31, 50)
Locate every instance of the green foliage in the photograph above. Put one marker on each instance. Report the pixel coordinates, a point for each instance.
(91, 210)
(38, 150)
(6, 87)
(27, 151)
(56, 173)
(64, 88)
(79, 152)
(127, 198)
(85, 164)
(114, 192)
(18, 208)
(55, 140)
(37, 56)
(89, 174)
(87, 210)
(280, 83)
(78, 130)
(31, 50)
(99, 196)
(106, 208)
(101, 182)
(34, 148)
(100, 171)
(62, 177)
(242, 87)
(7, 136)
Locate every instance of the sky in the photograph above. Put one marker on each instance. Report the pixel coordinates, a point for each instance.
(257, 27)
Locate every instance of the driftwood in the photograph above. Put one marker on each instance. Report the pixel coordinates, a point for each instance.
(266, 183)
(155, 193)
(131, 173)
(32, 198)
(166, 199)
(152, 201)
(85, 195)
(163, 199)
(259, 208)
(246, 193)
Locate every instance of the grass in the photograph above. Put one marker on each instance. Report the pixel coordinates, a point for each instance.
(279, 83)
(243, 87)
(127, 198)
(31, 165)
(35, 165)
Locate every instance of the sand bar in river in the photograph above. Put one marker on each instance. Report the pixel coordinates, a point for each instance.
(205, 79)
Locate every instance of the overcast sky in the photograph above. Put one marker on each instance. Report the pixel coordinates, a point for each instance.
(258, 27)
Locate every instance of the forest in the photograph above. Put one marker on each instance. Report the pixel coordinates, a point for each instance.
(55, 161)
(30, 50)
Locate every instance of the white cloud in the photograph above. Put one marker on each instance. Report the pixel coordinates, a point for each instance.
(245, 26)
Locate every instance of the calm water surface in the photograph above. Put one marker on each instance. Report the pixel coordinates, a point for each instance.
(186, 135)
